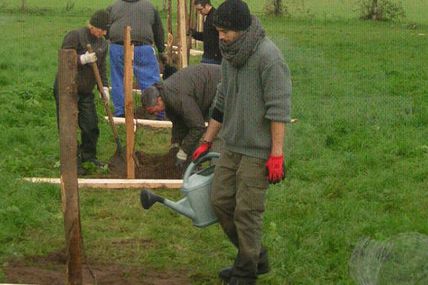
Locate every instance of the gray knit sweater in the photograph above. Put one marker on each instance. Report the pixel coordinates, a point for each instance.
(251, 97)
(144, 19)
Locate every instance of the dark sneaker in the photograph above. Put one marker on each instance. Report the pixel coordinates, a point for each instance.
(81, 171)
(262, 268)
(96, 162)
(226, 273)
(92, 166)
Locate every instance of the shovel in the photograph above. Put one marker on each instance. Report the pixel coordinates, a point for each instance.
(118, 159)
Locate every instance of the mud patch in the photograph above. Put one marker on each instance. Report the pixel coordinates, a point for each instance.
(50, 270)
(149, 166)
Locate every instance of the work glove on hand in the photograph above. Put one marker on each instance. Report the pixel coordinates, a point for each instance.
(106, 92)
(275, 169)
(201, 150)
(181, 158)
(88, 57)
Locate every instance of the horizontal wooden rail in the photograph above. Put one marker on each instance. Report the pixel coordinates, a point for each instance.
(144, 122)
(155, 123)
(115, 183)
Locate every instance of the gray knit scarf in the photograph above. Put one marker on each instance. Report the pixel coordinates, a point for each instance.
(238, 51)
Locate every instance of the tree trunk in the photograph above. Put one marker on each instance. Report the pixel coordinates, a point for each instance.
(23, 5)
(277, 7)
(375, 10)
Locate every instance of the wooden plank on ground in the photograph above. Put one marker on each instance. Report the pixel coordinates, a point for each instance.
(115, 183)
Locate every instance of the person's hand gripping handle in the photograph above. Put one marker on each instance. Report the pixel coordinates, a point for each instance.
(201, 150)
(275, 169)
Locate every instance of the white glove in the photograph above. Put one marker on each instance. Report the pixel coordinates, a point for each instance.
(181, 159)
(88, 58)
(174, 145)
(107, 92)
(181, 155)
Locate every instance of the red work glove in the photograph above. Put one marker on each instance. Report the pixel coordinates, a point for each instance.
(201, 150)
(276, 168)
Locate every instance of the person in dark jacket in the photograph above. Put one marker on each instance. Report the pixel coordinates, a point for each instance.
(146, 31)
(252, 107)
(78, 39)
(186, 97)
(209, 35)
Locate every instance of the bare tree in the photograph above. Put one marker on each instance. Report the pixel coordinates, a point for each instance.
(381, 10)
(274, 7)
(277, 4)
(23, 5)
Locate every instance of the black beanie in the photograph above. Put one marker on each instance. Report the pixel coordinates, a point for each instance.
(232, 15)
(100, 20)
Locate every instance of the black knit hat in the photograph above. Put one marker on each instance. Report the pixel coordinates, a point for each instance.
(100, 20)
(232, 15)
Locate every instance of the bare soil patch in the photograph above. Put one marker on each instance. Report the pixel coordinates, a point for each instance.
(149, 166)
(50, 270)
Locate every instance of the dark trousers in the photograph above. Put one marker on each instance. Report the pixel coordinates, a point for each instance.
(87, 121)
(238, 197)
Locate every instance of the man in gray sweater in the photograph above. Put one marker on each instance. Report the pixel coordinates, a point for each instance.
(146, 31)
(252, 108)
(186, 97)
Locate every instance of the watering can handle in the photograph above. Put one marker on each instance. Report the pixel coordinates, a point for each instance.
(195, 163)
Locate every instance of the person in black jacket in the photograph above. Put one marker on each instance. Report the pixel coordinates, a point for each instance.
(186, 97)
(78, 39)
(209, 35)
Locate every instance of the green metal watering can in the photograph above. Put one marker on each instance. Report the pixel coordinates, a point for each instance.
(196, 203)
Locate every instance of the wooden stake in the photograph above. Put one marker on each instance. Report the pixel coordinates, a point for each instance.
(200, 27)
(184, 60)
(188, 14)
(67, 73)
(170, 34)
(129, 101)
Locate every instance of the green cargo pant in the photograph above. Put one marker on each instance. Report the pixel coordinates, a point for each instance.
(87, 121)
(238, 197)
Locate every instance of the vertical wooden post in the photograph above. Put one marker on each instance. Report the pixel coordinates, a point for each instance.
(129, 101)
(67, 72)
(182, 28)
(200, 27)
(177, 34)
(170, 39)
(189, 24)
(192, 23)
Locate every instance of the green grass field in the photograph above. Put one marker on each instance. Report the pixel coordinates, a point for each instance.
(357, 159)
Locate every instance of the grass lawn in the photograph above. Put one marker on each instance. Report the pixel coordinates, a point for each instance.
(357, 159)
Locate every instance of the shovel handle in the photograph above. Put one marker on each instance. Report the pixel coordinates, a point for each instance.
(103, 96)
(96, 72)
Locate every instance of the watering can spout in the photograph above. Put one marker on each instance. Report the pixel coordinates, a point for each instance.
(147, 199)
(183, 207)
